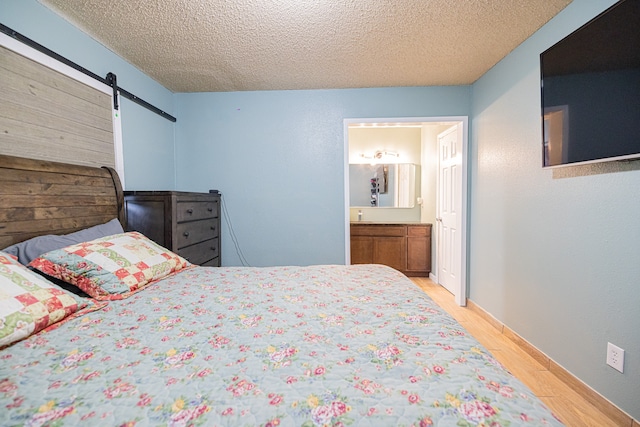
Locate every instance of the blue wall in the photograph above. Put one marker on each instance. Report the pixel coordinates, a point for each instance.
(278, 159)
(147, 138)
(555, 254)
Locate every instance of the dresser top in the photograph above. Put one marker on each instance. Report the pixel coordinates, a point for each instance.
(371, 223)
(168, 193)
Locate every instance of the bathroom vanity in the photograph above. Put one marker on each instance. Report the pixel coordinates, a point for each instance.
(405, 247)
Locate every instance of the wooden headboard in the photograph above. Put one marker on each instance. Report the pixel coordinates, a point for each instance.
(39, 197)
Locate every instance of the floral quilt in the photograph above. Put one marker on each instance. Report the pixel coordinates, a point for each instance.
(278, 346)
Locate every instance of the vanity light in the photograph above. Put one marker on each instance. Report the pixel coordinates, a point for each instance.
(379, 155)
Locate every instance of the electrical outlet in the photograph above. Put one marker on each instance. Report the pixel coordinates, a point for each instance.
(615, 357)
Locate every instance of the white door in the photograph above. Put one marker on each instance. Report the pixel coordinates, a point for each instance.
(449, 215)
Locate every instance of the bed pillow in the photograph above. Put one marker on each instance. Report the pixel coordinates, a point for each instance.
(30, 303)
(112, 267)
(31, 249)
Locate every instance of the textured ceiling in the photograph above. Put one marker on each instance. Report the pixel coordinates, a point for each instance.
(226, 45)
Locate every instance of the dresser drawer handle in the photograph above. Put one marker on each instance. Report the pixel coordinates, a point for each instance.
(210, 209)
(213, 228)
(186, 234)
(189, 211)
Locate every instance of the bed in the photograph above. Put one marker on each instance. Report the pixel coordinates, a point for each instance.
(326, 345)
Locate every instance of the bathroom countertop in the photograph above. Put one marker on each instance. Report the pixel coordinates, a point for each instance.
(389, 223)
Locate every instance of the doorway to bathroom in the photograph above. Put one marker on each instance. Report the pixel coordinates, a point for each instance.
(437, 149)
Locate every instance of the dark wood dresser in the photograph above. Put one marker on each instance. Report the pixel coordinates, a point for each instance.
(405, 247)
(185, 223)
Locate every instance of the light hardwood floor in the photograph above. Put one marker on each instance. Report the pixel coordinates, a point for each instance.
(570, 407)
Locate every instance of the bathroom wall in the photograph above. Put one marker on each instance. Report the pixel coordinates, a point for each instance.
(406, 143)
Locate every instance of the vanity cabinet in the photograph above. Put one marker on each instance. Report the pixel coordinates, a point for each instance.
(405, 247)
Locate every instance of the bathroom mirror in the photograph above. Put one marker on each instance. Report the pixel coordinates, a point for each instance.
(383, 185)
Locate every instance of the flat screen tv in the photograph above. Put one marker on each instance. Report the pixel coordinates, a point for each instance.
(591, 90)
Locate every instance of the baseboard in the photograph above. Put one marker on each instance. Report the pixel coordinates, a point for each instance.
(485, 315)
(616, 414)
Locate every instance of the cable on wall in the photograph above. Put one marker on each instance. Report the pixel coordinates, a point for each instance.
(110, 80)
(232, 233)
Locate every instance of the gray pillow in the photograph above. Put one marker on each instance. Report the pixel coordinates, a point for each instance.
(31, 249)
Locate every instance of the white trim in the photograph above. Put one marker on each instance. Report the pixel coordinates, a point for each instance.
(117, 144)
(347, 223)
(461, 296)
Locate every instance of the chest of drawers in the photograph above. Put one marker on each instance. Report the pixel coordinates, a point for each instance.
(183, 222)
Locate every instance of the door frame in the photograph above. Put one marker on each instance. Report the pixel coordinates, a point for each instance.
(461, 295)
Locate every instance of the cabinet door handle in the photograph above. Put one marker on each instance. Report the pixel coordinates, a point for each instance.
(189, 211)
(186, 234)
